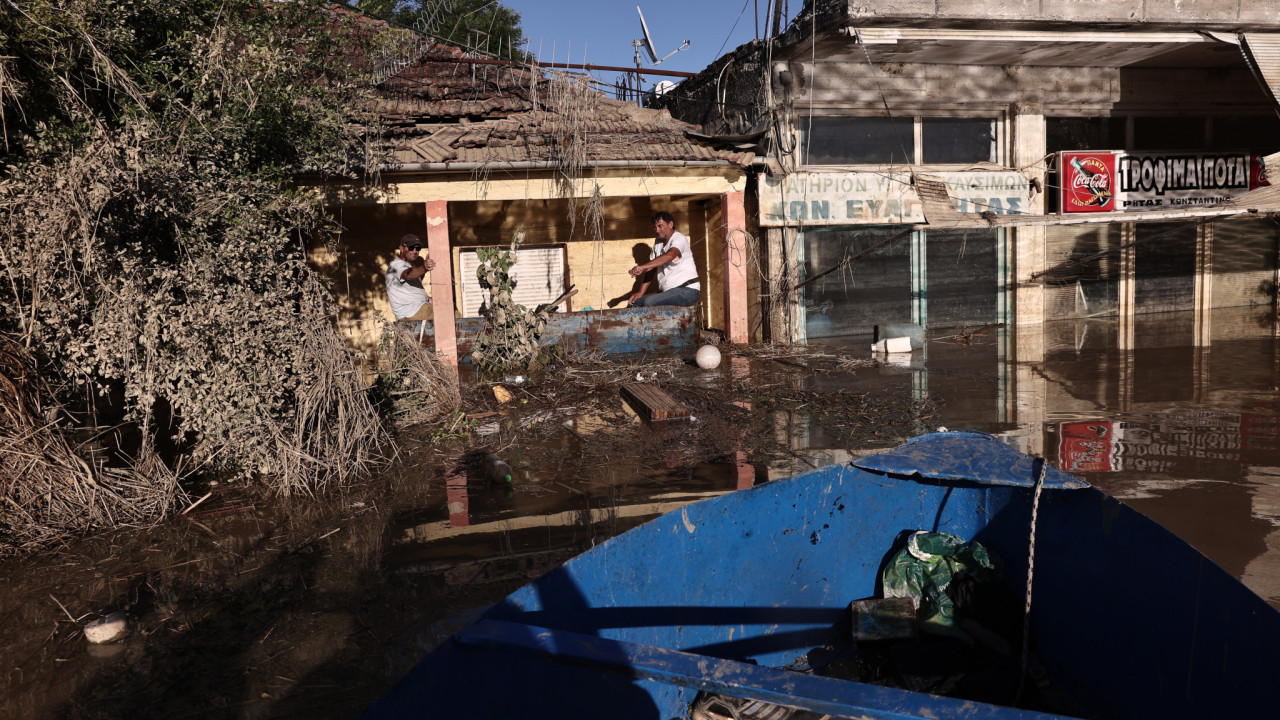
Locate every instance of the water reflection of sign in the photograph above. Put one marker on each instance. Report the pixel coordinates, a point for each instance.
(1186, 439)
(1108, 181)
(858, 198)
(1260, 431)
(1085, 446)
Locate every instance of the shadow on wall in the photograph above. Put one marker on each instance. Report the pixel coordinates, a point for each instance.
(357, 267)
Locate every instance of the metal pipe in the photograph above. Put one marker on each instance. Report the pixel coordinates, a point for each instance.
(547, 165)
(572, 66)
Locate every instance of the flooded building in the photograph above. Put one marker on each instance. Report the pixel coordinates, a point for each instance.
(990, 164)
(477, 149)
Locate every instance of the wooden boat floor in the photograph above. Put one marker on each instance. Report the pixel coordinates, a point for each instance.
(710, 706)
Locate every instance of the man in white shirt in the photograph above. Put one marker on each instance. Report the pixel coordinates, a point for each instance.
(672, 261)
(408, 298)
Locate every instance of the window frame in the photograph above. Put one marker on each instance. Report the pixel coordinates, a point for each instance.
(999, 118)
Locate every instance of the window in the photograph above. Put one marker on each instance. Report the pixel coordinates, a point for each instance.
(1168, 133)
(1246, 133)
(857, 141)
(893, 141)
(958, 140)
(1095, 133)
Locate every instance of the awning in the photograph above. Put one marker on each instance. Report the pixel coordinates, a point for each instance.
(1262, 53)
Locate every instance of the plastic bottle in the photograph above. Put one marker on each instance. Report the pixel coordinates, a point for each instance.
(497, 469)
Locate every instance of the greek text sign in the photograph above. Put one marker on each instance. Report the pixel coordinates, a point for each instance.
(1114, 181)
(863, 198)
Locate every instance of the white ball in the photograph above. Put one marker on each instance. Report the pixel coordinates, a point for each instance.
(708, 357)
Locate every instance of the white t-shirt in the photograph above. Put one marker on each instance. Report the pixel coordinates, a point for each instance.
(405, 296)
(680, 270)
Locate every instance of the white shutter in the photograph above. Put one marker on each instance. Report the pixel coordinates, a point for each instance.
(540, 272)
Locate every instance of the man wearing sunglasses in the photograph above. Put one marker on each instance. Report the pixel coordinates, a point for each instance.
(405, 292)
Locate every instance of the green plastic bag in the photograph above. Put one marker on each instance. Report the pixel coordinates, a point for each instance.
(924, 569)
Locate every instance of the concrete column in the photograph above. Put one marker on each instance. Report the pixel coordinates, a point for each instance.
(1028, 146)
(442, 281)
(785, 313)
(735, 267)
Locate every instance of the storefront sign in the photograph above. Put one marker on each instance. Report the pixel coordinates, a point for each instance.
(1115, 181)
(862, 198)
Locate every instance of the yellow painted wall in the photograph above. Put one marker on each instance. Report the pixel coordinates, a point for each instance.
(357, 267)
(598, 269)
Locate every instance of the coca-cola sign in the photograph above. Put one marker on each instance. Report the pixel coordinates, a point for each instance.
(1089, 182)
(1107, 181)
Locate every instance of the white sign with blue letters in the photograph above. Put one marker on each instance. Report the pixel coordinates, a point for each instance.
(870, 198)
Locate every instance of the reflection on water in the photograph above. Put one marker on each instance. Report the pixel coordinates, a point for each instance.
(1189, 436)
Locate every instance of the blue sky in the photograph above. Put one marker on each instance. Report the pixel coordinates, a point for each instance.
(603, 30)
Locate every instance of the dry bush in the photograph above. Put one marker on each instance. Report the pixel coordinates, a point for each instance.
(417, 387)
(47, 489)
(150, 237)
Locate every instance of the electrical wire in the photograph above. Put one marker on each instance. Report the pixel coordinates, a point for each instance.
(735, 27)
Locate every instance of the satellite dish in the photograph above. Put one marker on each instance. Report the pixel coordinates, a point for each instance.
(647, 44)
(648, 40)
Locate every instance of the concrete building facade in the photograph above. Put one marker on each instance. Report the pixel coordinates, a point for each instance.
(910, 163)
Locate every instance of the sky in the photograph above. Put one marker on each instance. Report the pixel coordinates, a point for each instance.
(601, 31)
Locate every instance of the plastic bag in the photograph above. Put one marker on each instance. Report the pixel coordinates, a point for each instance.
(925, 567)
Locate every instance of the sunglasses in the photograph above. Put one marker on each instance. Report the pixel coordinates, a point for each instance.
(413, 247)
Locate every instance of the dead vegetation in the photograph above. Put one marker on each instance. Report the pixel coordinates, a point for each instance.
(416, 386)
(49, 491)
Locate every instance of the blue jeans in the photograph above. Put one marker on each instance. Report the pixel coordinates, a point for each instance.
(674, 296)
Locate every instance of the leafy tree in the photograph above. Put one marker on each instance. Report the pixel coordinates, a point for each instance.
(482, 25)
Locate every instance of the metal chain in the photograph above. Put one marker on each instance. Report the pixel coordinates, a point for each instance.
(1031, 567)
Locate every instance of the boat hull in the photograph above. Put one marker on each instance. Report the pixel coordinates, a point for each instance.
(1130, 620)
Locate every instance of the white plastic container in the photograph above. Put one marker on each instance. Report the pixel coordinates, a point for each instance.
(893, 345)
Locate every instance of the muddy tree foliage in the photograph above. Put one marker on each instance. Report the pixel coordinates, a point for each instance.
(509, 337)
(150, 245)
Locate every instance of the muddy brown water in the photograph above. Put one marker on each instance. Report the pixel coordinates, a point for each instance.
(259, 608)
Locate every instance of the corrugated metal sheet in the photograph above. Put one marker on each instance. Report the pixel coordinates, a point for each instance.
(1262, 51)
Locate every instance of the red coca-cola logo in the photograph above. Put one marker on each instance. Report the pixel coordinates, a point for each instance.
(1090, 185)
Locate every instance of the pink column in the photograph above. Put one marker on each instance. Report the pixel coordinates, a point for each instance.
(442, 281)
(735, 267)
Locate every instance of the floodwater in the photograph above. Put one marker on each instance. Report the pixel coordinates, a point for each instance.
(253, 607)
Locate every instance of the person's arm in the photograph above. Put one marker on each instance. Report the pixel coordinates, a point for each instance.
(644, 286)
(417, 271)
(665, 258)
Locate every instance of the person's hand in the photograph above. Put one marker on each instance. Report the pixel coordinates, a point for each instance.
(635, 271)
(431, 264)
(634, 297)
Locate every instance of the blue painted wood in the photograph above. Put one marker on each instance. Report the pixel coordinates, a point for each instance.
(624, 331)
(796, 690)
(1128, 619)
(972, 456)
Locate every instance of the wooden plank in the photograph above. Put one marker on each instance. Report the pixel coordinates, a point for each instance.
(652, 403)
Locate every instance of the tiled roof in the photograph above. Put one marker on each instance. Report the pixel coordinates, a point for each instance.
(443, 108)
